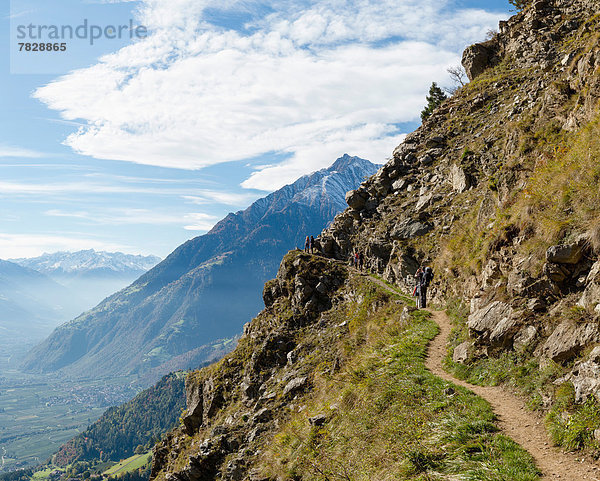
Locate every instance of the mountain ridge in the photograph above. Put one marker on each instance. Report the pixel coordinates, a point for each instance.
(168, 311)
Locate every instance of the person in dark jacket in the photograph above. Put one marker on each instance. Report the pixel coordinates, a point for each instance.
(426, 278)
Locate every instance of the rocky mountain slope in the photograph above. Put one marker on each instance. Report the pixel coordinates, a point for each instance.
(90, 275)
(498, 191)
(185, 302)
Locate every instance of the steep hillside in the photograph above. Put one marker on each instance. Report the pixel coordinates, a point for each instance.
(184, 303)
(328, 382)
(498, 190)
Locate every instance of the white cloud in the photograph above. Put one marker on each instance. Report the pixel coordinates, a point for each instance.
(204, 197)
(22, 188)
(200, 222)
(8, 151)
(135, 217)
(311, 81)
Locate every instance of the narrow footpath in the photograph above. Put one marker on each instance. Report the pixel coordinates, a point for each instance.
(515, 420)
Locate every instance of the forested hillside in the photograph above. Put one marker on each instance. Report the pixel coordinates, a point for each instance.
(122, 429)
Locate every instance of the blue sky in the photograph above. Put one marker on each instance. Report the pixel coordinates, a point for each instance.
(138, 145)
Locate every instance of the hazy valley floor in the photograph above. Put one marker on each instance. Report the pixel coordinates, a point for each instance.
(39, 413)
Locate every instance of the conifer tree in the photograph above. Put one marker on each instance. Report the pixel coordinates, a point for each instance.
(519, 4)
(435, 98)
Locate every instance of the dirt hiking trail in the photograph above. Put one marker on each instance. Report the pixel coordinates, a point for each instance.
(515, 420)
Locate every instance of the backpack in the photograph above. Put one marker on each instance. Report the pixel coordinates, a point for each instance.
(428, 276)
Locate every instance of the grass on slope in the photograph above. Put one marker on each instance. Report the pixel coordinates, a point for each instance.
(130, 464)
(388, 418)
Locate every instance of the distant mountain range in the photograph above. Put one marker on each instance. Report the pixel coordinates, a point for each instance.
(38, 294)
(91, 275)
(205, 290)
(30, 304)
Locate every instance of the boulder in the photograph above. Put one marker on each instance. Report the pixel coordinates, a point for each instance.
(399, 184)
(565, 254)
(524, 338)
(423, 202)
(318, 420)
(295, 385)
(555, 272)
(591, 295)
(568, 339)
(426, 160)
(462, 352)
(491, 274)
(494, 323)
(262, 416)
(435, 142)
(356, 199)
(477, 58)
(410, 229)
(459, 179)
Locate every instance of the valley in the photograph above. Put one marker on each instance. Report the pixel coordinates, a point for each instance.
(38, 413)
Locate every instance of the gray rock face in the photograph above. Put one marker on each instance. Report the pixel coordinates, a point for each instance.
(591, 296)
(585, 377)
(410, 229)
(565, 254)
(459, 179)
(477, 58)
(356, 199)
(493, 323)
(569, 339)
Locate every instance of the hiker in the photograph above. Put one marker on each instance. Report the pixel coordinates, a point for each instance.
(356, 260)
(361, 261)
(418, 283)
(312, 244)
(426, 279)
(306, 244)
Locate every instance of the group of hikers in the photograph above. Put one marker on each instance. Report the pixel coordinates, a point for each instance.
(358, 260)
(309, 244)
(423, 276)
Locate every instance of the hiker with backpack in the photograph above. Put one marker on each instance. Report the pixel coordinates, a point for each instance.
(426, 279)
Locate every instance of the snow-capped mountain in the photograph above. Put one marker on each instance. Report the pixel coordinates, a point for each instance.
(89, 275)
(205, 290)
(86, 261)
